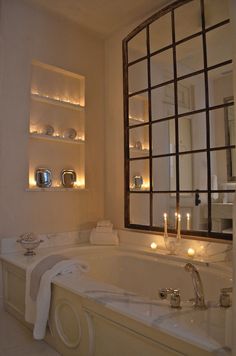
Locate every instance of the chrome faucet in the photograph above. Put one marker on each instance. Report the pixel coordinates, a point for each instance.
(197, 285)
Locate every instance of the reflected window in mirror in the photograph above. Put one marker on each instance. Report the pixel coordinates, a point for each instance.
(179, 120)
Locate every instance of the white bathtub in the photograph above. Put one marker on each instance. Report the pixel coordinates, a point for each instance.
(116, 305)
(145, 275)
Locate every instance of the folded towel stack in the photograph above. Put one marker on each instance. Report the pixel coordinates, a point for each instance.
(103, 234)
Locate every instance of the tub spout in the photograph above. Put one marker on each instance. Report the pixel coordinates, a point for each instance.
(197, 286)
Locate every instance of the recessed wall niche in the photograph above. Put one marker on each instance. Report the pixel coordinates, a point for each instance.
(56, 125)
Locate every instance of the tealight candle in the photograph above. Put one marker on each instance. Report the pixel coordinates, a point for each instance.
(191, 252)
(153, 245)
(188, 221)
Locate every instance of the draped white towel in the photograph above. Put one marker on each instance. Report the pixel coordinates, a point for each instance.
(103, 238)
(36, 312)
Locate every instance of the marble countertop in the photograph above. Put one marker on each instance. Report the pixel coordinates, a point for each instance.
(22, 261)
(205, 329)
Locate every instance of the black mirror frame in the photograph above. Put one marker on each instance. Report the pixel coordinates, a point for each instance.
(207, 109)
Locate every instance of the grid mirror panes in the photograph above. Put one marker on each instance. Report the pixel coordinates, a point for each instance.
(179, 120)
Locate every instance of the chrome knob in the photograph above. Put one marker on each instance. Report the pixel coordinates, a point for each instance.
(175, 299)
(163, 292)
(225, 300)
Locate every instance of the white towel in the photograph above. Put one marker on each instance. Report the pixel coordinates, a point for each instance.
(37, 312)
(103, 238)
(104, 228)
(103, 223)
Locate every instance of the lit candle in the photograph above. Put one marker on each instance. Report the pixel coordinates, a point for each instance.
(176, 220)
(179, 227)
(153, 245)
(165, 224)
(191, 252)
(188, 221)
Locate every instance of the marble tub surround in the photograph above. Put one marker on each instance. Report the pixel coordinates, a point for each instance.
(204, 250)
(127, 283)
(60, 239)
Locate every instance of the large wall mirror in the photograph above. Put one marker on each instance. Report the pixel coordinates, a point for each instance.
(179, 120)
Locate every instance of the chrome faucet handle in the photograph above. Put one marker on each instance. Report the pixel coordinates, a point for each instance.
(174, 296)
(163, 292)
(175, 299)
(225, 300)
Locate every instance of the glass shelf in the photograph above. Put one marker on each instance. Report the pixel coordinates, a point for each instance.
(135, 121)
(39, 136)
(142, 152)
(64, 104)
(55, 189)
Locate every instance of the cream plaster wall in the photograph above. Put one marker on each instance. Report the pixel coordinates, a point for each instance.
(114, 128)
(29, 33)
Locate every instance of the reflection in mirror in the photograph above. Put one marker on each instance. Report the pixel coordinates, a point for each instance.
(218, 170)
(192, 132)
(138, 79)
(192, 12)
(197, 208)
(191, 94)
(163, 137)
(138, 109)
(163, 102)
(139, 209)
(189, 56)
(162, 67)
(163, 173)
(193, 171)
(222, 213)
(230, 139)
(220, 84)
(139, 168)
(187, 146)
(219, 48)
(137, 46)
(221, 170)
(217, 13)
(139, 142)
(218, 128)
(164, 203)
(160, 33)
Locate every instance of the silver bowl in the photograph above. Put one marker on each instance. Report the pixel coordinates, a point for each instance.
(29, 245)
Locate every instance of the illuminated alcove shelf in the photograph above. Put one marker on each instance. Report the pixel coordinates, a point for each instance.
(57, 102)
(39, 136)
(55, 189)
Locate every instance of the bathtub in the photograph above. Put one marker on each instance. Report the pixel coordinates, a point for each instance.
(114, 309)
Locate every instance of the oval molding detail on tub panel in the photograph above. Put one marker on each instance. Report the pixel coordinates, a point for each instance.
(67, 322)
(91, 333)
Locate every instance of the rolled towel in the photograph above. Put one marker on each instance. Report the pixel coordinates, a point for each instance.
(103, 238)
(104, 228)
(104, 223)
